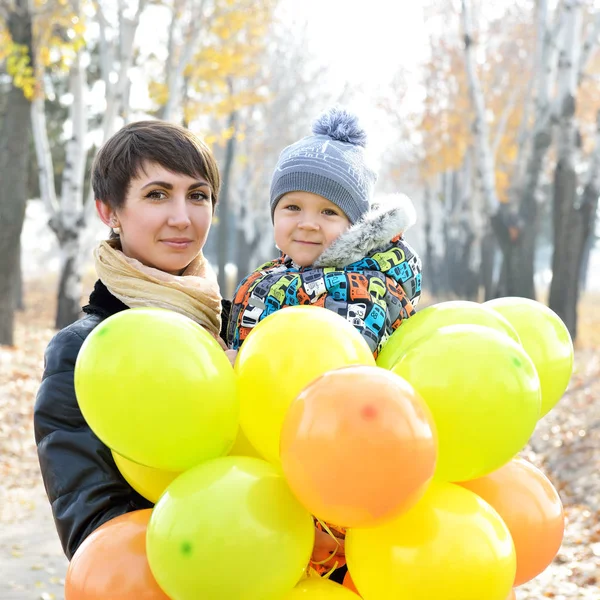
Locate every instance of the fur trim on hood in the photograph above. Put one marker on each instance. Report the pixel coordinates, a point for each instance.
(389, 217)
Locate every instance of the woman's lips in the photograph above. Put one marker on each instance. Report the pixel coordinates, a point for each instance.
(178, 244)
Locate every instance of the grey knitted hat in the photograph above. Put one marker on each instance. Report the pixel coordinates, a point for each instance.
(330, 163)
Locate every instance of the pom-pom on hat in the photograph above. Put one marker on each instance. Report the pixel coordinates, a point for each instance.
(331, 163)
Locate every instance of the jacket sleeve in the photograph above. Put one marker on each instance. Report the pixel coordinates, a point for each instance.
(411, 279)
(84, 486)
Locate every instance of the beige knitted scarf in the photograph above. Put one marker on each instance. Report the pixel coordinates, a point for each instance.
(194, 293)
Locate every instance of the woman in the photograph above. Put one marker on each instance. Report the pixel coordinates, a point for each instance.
(156, 185)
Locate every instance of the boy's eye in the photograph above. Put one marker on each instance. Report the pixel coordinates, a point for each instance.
(292, 207)
(329, 212)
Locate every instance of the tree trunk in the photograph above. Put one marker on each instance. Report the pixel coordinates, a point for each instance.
(18, 286)
(14, 159)
(568, 229)
(488, 264)
(517, 231)
(565, 274)
(72, 223)
(431, 266)
(223, 241)
(589, 244)
(245, 250)
(69, 287)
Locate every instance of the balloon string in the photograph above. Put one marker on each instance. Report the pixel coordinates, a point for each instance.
(327, 530)
(313, 572)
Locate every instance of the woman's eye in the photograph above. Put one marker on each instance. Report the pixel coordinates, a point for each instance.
(156, 195)
(198, 196)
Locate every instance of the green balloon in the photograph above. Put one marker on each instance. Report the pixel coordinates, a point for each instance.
(229, 528)
(430, 319)
(483, 392)
(547, 341)
(157, 389)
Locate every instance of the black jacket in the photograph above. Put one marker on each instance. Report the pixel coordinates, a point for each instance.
(84, 486)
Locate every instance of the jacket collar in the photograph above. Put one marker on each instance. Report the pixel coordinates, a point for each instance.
(102, 302)
(389, 217)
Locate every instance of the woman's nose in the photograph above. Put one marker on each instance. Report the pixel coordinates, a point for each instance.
(179, 216)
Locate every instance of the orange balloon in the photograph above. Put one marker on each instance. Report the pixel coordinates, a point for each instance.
(358, 446)
(531, 508)
(350, 584)
(111, 563)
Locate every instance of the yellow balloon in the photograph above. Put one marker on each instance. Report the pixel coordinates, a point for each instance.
(228, 529)
(451, 545)
(483, 392)
(157, 389)
(547, 341)
(280, 357)
(242, 447)
(430, 319)
(315, 588)
(146, 481)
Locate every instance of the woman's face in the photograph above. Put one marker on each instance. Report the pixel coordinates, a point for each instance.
(165, 219)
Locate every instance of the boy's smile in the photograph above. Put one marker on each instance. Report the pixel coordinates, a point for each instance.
(306, 224)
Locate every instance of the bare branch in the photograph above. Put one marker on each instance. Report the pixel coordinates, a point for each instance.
(503, 121)
(485, 157)
(589, 45)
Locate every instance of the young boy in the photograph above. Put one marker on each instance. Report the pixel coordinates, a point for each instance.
(338, 249)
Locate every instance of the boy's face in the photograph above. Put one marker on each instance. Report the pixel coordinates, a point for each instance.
(165, 219)
(306, 224)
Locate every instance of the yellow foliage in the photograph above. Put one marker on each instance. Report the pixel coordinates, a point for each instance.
(5, 42)
(18, 66)
(446, 124)
(220, 77)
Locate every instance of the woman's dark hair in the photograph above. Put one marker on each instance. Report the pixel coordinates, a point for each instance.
(172, 147)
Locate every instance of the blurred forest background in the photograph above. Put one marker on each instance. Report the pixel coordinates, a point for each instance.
(486, 113)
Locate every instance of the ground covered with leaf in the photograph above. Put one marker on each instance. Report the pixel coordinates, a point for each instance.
(566, 445)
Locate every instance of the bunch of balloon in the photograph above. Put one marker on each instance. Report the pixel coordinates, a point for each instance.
(488, 522)
(158, 390)
(356, 443)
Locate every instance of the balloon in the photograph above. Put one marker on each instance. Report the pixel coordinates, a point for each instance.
(349, 583)
(229, 528)
(547, 341)
(376, 437)
(483, 392)
(430, 319)
(148, 482)
(450, 546)
(315, 588)
(111, 563)
(242, 447)
(157, 389)
(532, 511)
(280, 356)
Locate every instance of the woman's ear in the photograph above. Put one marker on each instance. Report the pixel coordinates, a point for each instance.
(107, 214)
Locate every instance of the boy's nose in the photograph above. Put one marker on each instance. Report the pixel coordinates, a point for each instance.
(308, 224)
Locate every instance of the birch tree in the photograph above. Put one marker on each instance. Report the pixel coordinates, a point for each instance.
(570, 209)
(14, 153)
(282, 118)
(69, 210)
